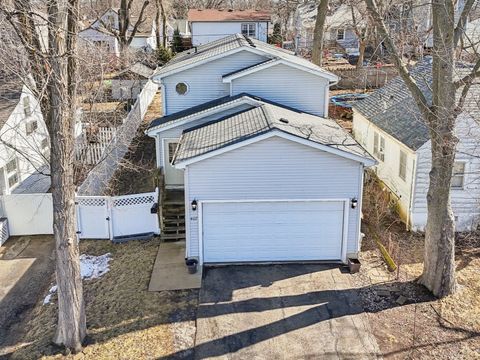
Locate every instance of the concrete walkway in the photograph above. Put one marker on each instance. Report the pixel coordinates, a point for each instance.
(281, 312)
(169, 271)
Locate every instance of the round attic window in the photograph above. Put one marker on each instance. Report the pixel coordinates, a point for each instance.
(181, 88)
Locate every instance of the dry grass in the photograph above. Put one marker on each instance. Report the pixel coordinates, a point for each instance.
(124, 320)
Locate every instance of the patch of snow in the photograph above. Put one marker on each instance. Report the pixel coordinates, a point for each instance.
(91, 267)
(52, 290)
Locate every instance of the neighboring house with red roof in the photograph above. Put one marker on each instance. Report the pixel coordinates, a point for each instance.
(211, 24)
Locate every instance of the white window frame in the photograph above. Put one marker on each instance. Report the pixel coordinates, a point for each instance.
(31, 127)
(248, 29)
(12, 173)
(402, 165)
(461, 175)
(340, 31)
(379, 146)
(27, 109)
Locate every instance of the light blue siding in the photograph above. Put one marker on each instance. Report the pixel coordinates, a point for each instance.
(205, 81)
(287, 86)
(274, 168)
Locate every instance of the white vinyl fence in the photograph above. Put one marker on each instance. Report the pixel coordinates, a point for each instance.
(98, 217)
(99, 177)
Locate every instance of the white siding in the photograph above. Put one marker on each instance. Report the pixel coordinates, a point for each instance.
(466, 202)
(205, 81)
(388, 170)
(205, 32)
(274, 168)
(30, 155)
(287, 86)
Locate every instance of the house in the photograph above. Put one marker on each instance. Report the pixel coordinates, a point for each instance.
(389, 125)
(128, 83)
(24, 141)
(339, 30)
(99, 32)
(207, 25)
(265, 174)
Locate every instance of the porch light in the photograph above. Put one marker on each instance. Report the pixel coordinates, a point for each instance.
(354, 203)
(194, 205)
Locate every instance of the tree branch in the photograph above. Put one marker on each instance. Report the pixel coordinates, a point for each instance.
(404, 73)
(138, 23)
(462, 21)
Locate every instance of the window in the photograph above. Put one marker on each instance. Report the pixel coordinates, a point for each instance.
(340, 34)
(171, 151)
(458, 176)
(379, 146)
(181, 88)
(402, 168)
(26, 106)
(13, 180)
(31, 126)
(12, 166)
(12, 173)
(44, 143)
(248, 30)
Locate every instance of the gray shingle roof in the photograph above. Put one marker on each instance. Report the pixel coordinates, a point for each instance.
(259, 120)
(229, 43)
(10, 92)
(393, 109)
(195, 110)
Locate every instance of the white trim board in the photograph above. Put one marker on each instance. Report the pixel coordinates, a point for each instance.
(272, 133)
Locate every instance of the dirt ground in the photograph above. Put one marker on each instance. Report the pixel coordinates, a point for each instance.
(407, 321)
(124, 319)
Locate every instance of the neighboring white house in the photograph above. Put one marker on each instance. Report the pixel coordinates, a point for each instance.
(24, 141)
(128, 84)
(99, 32)
(266, 175)
(389, 125)
(211, 24)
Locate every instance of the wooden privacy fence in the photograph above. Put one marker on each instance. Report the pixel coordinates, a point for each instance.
(91, 153)
(366, 77)
(98, 178)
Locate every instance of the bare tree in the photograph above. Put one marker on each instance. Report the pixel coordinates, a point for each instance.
(440, 116)
(160, 13)
(319, 31)
(127, 25)
(54, 70)
(361, 26)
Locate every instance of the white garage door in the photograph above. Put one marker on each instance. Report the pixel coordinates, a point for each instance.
(272, 231)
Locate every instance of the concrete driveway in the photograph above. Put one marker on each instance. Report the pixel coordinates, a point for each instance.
(281, 312)
(26, 267)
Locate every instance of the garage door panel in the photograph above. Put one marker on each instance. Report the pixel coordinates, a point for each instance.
(272, 231)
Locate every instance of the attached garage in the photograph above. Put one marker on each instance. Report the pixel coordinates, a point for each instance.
(296, 230)
(271, 184)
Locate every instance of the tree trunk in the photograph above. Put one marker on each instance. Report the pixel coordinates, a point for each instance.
(317, 49)
(164, 24)
(439, 265)
(63, 16)
(361, 53)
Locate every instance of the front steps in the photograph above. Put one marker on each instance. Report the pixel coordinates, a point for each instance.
(173, 212)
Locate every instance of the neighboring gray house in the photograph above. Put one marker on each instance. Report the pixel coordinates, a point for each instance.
(388, 124)
(128, 84)
(266, 175)
(339, 30)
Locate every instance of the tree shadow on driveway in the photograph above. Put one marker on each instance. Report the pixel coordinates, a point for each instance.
(293, 311)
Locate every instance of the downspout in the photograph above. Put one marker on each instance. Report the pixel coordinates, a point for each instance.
(412, 189)
(327, 96)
